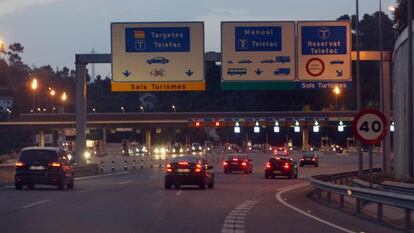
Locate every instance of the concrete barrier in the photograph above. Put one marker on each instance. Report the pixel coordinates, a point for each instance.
(7, 172)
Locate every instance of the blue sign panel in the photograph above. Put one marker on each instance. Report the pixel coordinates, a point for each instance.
(249, 39)
(157, 39)
(325, 40)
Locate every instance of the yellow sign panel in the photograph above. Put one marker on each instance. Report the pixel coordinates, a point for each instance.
(158, 86)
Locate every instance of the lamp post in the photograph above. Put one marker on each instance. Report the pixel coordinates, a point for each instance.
(64, 97)
(34, 85)
(337, 92)
(52, 96)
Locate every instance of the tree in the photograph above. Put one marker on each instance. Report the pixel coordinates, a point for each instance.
(14, 50)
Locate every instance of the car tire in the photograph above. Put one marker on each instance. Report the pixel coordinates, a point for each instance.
(167, 185)
(71, 185)
(18, 186)
(246, 172)
(267, 176)
(251, 171)
(61, 186)
(317, 165)
(202, 185)
(211, 185)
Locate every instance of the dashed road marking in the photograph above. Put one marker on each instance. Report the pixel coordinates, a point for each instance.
(178, 193)
(34, 204)
(293, 187)
(125, 182)
(234, 221)
(110, 174)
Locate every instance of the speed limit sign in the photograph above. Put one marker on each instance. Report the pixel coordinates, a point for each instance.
(370, 126)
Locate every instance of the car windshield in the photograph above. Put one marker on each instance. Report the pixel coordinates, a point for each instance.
(40, 156)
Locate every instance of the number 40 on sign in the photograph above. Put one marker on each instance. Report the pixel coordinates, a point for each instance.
(370, 126)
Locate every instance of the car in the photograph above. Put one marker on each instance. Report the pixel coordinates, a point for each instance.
(282, 71)
(309, 158)
(158, 60)
(282, 59)
(177, 148)
(44, 166)
(280, 151)
(237, 71)
(267, 61)
(239, 163)
(196, 147)
(338, 149)
(138, 149)
(334, 62)
(281, 166)
(233, 148)
(188, 170)
(245, 61)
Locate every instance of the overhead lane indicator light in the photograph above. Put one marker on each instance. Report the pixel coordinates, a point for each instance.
(237, 127)
(276, 128)
(316, 127)
(341, 126)
(257, 127)
(296, 128)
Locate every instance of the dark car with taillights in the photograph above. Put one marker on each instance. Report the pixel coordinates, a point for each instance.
(44, 166)
(309, 158)
(188, 170)
(281, 166)
(238, 163)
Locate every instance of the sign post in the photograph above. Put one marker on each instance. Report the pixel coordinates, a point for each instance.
(370, 127)
(157, 56)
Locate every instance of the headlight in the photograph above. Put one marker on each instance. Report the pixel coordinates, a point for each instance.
(173, 150)
(87, 155)
(144, 149)
(136, 150)
(156, 150)
(181, 150)
(193, 148)
(123, 151)
(69, 156)
(228, 148)
(162, 150)
(199, 147)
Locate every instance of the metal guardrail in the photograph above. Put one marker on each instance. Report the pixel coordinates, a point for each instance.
(329, 184)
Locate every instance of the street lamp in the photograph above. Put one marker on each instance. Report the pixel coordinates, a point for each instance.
(173, 107)
(141, 108)
(52, 96)
(337, 92)
(34, 84)
(63, 98)
(122, 109)
(391, 8)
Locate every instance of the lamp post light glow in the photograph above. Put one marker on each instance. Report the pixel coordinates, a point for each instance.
(316, 127)
(276, 128)
(337, 91)
(52, 96)
(34, 85)
(341, 127)
(296, 128)
(173, 108)
(257, 127)
(64, 97)
(141, 108)
(391, 8)
(392, 127)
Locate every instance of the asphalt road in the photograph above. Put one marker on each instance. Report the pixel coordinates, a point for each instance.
(137, 202)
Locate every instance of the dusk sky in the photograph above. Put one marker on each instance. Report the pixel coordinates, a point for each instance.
(53, 31)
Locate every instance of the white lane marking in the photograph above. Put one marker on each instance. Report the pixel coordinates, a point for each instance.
(98, 176)
(178, 193)
(290, 188)
(82, 191)
(125, 182)
(6, 187)
(35, 203)
(234, 221)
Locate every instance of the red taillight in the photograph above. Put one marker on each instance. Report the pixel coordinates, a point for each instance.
(268, 165)
(198, 168)
(19, 164)
(235, 159)
(277, 158)
(302, 159)
(168, 168)
(244, 164)
(225, 163)
(183, 163)
(55, 164)
(286, 166)
(313, 159)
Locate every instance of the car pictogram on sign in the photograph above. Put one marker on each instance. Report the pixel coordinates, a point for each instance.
(158, 60)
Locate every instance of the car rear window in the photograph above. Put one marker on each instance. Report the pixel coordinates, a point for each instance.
(308, 155)
(185, 159)
(280, 160)
(41, 156)
(239, 157)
